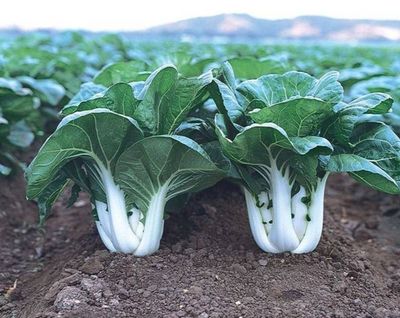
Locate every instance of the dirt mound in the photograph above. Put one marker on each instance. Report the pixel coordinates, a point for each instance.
(208, 264)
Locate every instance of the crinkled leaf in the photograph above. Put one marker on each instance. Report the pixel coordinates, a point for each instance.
(340, 127)
(254, 144)
(274, 89)
(226, 101)
(166, 99)
(380, 145)
(298, 117)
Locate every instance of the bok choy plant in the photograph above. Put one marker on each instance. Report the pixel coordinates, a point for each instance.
(285, 134)
(118, 144)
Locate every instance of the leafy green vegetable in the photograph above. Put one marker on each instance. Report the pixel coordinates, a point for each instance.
(285, 138)
(100, 147)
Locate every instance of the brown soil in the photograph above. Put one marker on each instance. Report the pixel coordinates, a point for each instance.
(207, 266)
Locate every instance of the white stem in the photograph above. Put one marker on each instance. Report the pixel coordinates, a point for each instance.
(105, 238)
(266, 213)
(256, 224)
(154, 224)
(316, 214)
(104, 217)
(140, 230)
(122, 236)
(299, 210)
(134, 219)
(282, 235)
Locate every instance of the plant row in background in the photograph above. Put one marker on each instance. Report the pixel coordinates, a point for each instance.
(39, 74)
(140, 142)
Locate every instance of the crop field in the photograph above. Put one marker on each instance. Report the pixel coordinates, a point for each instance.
(177, 179)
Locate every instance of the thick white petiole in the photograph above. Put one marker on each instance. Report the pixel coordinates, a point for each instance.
(104, 217)
(134, 219)
(300, 211)
(266, 213)
(282, 234)
(129, 233)
(105, 238)
(316, 214)
(257, 226)
(122, 236)
(154, 224)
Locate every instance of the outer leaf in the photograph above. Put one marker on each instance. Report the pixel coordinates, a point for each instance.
(175, 161)
(118, 98)
(363, 171)
(254, 144)
(87, 91)
(340, 127)
(380, 145)
(84, 134)
(298, 117)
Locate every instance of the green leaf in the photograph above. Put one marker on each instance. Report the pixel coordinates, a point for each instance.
(4, 127)
(20, 135)
(256, 142)
(166, 99)
(48, 90)
(173, 161)
(274, 89)
(87, 91)
(49, 195)
(97, 135)
(380, 145)
(250, 68)
(195, 68)
(118, 98)
(363, 171)
(15, 107)
(121, 72)
(298, 117)
(227, 105)
(10, 86)
(153, 95)
(340, 127)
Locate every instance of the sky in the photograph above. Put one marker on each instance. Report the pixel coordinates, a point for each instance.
(125, 15)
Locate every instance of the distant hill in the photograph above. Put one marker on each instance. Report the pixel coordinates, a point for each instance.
(304, 27)
(244, 26)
